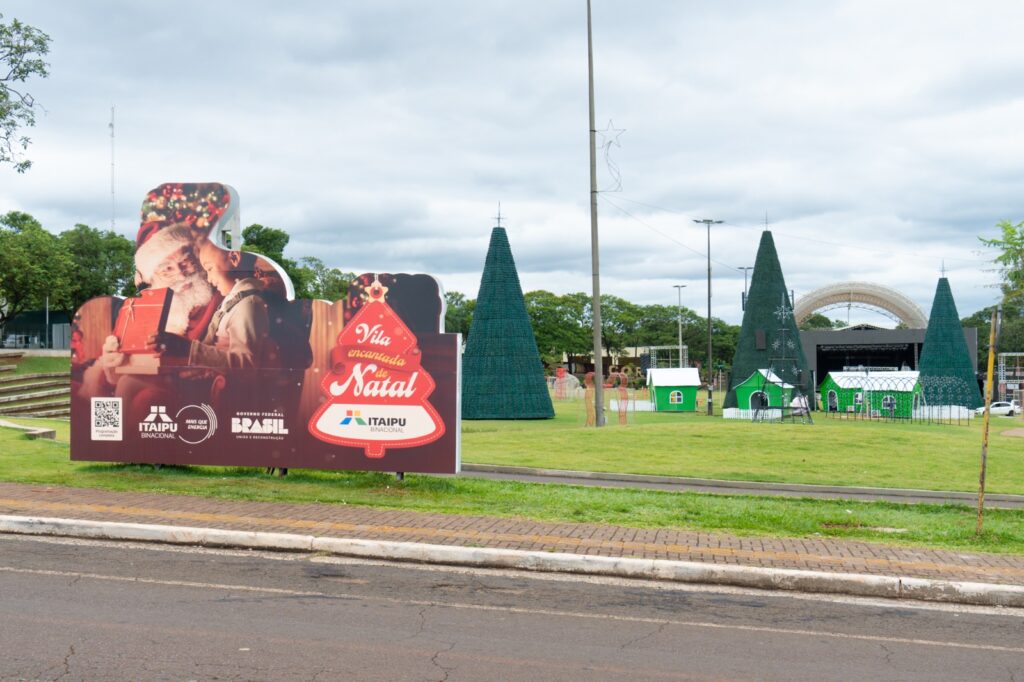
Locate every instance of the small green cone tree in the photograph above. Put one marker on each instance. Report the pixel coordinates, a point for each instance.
(947, 376)
(769, 332)
(502, 374)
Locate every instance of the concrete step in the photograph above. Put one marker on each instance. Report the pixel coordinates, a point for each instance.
(7, 368)
(10, 357)
(35, 395)
(52, 413)
(30, 386)
(17, 378)
(34, 409)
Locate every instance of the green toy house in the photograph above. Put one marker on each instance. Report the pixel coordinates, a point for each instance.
(764, 388)
(876, 394)
(673, 390)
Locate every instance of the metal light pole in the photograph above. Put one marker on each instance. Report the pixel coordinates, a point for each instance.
(679, 308)
(744, 269)
(708, 222)
(595, 270)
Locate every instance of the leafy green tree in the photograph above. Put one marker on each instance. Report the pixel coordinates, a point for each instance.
(659, 326)
(268, 241)
(103, 264)
(819, 321)
(34, 267)
(1011, 336)
(1011, 257)
(271, 242)
(561, 324)
(621, 323)
(458, 313)
(329, 284)
(22, 49)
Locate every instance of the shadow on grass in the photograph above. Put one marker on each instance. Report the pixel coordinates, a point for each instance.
(371, 481)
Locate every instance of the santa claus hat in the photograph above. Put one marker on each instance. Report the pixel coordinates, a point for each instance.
(155, 242)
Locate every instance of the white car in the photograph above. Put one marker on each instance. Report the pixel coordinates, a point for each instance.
(1001, 408)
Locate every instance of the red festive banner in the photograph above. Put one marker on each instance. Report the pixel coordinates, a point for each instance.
(377, 388)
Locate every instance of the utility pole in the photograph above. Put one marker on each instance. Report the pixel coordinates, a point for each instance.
(595, 306)
(745, 269)
(679, 288)
(113, 203)
(708, 222)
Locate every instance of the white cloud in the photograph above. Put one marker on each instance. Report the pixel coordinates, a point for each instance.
(880, 138)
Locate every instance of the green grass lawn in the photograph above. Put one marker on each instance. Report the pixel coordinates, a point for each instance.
(829, 452)
(947, 527)
(32, 365)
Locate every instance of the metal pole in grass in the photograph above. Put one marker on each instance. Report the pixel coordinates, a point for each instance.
(708, 222)
(993, 339)
(679, 319)
(595, 306)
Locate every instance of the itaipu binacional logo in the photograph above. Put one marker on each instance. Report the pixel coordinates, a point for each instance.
(375, 424)
(192, 424)
(377, 389)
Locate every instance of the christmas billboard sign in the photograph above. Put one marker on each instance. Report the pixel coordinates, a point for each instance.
(377, 388)
(233, 371)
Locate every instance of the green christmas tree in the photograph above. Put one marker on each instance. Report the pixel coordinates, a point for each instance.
(502, 374)
(769, 337)
(947, 376)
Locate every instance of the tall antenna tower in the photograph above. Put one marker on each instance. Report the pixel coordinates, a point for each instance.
(113, 203)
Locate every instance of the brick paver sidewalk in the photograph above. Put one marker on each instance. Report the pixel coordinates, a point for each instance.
(819, 554)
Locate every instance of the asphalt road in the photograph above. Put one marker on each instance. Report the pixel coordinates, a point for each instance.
(83, 610)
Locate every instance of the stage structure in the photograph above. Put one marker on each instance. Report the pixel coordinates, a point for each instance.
(867, 295)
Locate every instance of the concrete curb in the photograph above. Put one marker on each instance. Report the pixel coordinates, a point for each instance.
(940, 496)
(31, 432)
(889, 587)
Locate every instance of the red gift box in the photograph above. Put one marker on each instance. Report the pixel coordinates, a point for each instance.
(142, 317)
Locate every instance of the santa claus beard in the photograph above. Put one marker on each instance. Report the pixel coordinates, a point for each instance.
(189, 293)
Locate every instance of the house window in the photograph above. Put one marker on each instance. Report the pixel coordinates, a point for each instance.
(675, 398)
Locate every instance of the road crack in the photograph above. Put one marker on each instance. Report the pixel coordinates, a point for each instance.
(67, 663)
(888, 654)
(437, 664)
(657, 631)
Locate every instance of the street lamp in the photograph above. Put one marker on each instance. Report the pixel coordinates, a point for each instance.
(679, 288)
(744, 269)
(708, 222)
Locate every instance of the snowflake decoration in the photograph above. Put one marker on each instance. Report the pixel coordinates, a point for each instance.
(783, 312)
(775, 344)
(790, 345)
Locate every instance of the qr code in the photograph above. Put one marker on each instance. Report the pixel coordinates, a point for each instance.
(106, 418)
(107, 413)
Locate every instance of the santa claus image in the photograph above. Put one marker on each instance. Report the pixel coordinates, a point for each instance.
(165, 257)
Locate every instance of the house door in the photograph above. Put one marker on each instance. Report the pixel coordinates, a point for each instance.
(758, 400)
(833, 402)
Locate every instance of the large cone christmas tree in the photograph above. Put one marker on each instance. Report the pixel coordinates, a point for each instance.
(502, 375)
(769, 337)
(947, 376)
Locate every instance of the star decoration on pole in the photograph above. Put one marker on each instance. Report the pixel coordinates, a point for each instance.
(610, 136)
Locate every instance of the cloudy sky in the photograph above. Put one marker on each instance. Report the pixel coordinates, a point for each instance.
(879, 138)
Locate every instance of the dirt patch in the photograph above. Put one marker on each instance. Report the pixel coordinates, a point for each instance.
(1014, 432)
